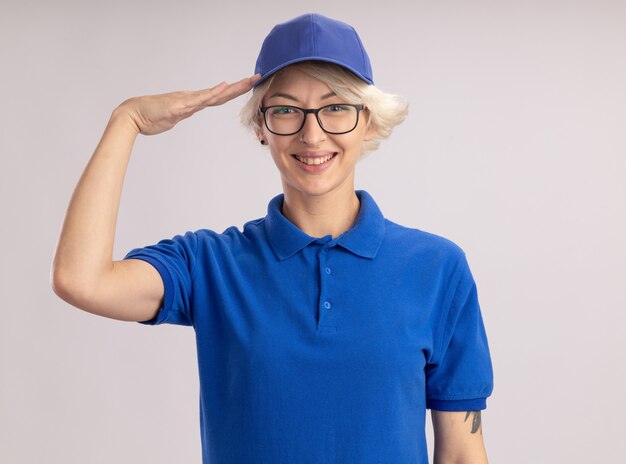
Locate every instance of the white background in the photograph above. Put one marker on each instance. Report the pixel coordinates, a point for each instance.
(514, 148)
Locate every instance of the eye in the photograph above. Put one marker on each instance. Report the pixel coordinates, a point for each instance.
(337, 108)
(278, 110)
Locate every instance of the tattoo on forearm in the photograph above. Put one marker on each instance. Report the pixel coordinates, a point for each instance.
(475, 421)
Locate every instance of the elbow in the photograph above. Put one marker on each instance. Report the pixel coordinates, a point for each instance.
(61, 286)
(58, 282)
(68, 287)
(60, 279)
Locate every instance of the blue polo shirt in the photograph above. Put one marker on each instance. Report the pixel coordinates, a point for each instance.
(324, 350)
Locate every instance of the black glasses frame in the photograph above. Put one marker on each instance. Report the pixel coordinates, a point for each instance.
(306, 111)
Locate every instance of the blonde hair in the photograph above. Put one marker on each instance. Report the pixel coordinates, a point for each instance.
(385, 110)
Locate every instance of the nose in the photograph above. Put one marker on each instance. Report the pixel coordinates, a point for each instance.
(312, 133)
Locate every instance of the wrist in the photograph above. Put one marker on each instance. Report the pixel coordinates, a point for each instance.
(122, 119)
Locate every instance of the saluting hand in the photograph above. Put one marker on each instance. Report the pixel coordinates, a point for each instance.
(153, 114)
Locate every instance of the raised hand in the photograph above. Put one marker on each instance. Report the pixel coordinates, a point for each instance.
(153, 114)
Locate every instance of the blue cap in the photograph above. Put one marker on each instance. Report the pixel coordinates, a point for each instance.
(313, 37)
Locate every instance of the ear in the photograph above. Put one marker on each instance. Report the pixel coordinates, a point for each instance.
(260, 135)
(260, 121)
(370, 132)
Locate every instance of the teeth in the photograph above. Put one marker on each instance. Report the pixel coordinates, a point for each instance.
(312, 161)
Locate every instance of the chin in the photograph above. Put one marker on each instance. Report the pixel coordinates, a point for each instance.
(313, 188)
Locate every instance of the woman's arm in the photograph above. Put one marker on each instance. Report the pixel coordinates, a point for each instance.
(458, 437)
(83, 272)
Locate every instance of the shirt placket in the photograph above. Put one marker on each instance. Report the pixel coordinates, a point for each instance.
(326, 322)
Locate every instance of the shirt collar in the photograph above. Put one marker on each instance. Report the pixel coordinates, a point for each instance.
(363, 238)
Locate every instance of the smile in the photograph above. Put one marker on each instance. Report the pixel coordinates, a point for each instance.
(315, 160)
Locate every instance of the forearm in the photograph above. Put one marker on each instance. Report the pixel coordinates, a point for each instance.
(466, 454)
(458, 438)
(85, 247)
(460, 460)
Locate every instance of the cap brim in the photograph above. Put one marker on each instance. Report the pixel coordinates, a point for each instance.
(310, 58)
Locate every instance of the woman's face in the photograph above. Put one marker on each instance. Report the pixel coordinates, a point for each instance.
(295, 88)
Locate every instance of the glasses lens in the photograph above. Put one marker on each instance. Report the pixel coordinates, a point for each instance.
(338, 118)
(283, 119)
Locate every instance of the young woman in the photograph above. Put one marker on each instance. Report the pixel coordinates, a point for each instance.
(324, 330)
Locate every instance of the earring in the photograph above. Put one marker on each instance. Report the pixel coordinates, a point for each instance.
(263, 142)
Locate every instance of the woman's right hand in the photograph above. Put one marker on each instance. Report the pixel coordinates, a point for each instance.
(153, 114)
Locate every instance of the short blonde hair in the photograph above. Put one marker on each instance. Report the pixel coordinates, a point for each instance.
(385, 110)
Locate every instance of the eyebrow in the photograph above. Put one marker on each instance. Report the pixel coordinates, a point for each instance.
(291, 97)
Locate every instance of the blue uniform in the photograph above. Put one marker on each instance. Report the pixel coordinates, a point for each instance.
(324, 350)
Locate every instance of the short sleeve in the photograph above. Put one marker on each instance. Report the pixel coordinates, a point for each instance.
(460, 375)
(174, 259)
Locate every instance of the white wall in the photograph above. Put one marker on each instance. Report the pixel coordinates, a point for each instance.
(514, 149)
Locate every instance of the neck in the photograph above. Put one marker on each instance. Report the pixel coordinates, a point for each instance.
(330, 214)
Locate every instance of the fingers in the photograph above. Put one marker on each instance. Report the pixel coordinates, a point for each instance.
(236, 89)
(218, 88)
(224, 92)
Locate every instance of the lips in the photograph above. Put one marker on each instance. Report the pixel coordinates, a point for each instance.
(314, 158)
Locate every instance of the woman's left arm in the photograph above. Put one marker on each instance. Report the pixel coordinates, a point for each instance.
(458, 437)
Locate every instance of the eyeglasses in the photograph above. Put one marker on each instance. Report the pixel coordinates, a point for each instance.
(334, 119)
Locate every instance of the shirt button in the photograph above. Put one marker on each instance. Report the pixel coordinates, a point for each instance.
(328, 271)
(326, 304)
